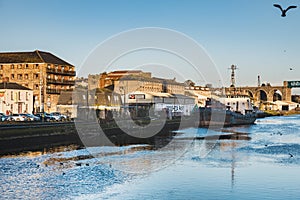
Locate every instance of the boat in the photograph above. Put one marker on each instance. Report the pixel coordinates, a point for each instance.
(227, 110)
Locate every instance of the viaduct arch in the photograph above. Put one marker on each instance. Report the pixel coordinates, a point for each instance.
(266, 92)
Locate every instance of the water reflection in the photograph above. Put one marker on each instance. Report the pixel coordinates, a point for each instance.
(247, 162)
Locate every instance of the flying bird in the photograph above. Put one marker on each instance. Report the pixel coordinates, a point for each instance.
(291, 68)
(283, 12)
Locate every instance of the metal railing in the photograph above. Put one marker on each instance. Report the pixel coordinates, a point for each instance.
(62, 72)
(60, 82)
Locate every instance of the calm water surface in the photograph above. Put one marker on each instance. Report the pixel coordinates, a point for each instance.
(265, 167)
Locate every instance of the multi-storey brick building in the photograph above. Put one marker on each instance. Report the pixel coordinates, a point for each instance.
(44, 73)
(107, 79)
(135, 80)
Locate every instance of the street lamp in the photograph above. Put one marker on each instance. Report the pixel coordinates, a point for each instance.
(41, 90)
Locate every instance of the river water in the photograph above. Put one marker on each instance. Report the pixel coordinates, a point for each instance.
(264, 166)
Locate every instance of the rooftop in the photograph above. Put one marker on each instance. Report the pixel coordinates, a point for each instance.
(31, 57)
(13, 86)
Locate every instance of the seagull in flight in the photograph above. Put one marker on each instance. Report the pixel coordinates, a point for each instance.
(283, 12)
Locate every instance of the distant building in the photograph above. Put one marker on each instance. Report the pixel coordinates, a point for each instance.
(200, 93)
(133, 83)
(44, 73)
(176, 104)
(128, 81)
(70, 103)
(107, 79)
(15, 98)
(94, 81)
(82, 82)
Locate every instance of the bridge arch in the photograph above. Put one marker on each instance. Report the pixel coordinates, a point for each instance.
(276, 94)
(262, 95)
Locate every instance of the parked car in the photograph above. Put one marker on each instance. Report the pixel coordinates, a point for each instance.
(32, 117)
(17, 117)
(46, 117)
(59, 116)
(3, 117)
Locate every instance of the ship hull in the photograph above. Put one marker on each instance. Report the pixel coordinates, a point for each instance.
(221, 117)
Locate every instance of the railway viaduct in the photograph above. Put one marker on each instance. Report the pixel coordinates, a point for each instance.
(266, 92)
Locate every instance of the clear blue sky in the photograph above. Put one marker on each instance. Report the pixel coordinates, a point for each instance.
(248, 33)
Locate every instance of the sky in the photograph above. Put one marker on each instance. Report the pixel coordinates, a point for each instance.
(249, 34)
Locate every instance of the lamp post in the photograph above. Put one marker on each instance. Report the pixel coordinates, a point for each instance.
(41, 92)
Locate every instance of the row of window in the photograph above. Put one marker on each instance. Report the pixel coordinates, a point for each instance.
(16, 96)
(21, 66)
(12, 108)
(62, 68)
(29, 66)
(26, 77)
(21, 76)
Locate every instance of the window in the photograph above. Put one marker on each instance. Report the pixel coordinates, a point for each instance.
(27, 96)
(19, 96)
(25, 76)
(20, 66)
(12, 66)
(36, 86)
(37, 66)
(36, 76)
(12, 76)
(1, 67)
(26, 66)
(20, 76)
(11, 95)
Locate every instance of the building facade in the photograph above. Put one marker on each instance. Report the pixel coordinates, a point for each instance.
(15, 98)
(133, 83)
(44, 73)
(107, 79)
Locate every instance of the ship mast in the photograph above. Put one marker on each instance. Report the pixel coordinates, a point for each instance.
(233, 68)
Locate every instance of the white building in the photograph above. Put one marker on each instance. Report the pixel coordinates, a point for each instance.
(237, 103)
(177, 104)
(15, 98)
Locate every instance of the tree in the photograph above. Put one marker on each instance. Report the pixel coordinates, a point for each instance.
(189, 83)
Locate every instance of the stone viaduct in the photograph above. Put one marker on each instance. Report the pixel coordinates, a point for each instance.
(266, 92)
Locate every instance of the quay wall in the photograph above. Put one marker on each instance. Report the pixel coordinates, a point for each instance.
(16, 138)
(19, 137)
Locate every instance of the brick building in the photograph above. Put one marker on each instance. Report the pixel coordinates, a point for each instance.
(126, 81)
(107, 79)
(44, 73)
